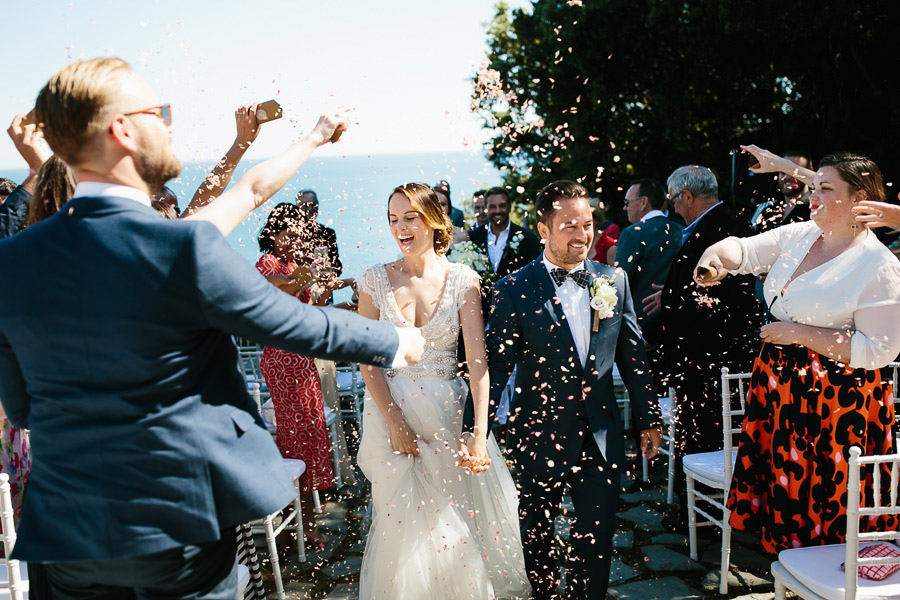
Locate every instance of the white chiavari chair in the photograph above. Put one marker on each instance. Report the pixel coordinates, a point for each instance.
(714, 470)
(815, 572)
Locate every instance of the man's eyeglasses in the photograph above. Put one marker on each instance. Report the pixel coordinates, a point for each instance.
(628, 201)
(673, 198)
(164, 112)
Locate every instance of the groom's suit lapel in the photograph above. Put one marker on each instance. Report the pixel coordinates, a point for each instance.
(554, 310)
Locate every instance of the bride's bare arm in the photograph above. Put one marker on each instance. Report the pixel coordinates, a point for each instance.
(403, 438)
(472, 322)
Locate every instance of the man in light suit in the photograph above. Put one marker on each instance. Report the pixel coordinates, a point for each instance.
(550, 320)
(146, 446)
(647, 248)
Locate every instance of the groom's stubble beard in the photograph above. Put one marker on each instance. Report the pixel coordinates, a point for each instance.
(562, 254)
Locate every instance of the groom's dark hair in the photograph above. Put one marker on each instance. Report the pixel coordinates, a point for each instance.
(544, 204)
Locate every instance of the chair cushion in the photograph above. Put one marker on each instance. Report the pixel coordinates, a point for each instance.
(879, 550)
(819, 569)
(709, 465)
(344, 381)
(294, 467)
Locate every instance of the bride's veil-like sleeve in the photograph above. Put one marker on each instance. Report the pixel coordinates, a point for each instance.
(368, 283)
(463, 279)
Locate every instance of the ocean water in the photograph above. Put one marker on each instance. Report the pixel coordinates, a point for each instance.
(353, 193)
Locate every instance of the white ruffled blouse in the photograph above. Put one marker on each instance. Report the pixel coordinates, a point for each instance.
(858, 291)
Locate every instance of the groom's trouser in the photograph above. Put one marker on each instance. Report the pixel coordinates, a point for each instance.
(595, 494)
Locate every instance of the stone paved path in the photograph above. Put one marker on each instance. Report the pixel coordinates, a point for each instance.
(649, 563)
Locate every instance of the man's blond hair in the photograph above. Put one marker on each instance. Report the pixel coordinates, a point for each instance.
(75, 106)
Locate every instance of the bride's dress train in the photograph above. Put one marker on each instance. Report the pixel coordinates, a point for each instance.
(436, 532)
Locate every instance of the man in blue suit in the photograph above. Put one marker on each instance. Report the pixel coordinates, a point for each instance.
(564, 321)
(146, 446)
(649, 246)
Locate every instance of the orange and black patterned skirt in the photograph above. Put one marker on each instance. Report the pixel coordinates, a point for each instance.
(804, 412)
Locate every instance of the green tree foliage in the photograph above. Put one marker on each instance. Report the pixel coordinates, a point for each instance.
(604, 91)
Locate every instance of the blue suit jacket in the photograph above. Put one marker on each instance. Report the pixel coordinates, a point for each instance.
(115, 351)
(646, 251)
(528, 328)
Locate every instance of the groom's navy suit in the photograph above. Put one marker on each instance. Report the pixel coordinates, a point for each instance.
(565, 415)
(115, 351)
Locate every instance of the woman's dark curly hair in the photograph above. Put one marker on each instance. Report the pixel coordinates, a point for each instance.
(283, 216)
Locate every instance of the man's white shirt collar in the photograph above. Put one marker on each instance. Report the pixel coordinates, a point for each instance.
(96, 189)
(651, 214)
(491, 231)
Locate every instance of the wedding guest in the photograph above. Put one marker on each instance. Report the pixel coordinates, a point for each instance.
(606, 233)
(7, 186)
(29, 141)
(442, 189)
(698, 331)
(149, 410)
(320, 243)
(53, 187)
(834, 291)
(508, 246)
(168, 199)
(292, 379)
(648, 247)
(793, 206)
(15, 461)
(479, 208)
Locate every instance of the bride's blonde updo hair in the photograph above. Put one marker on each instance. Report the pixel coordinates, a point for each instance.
(425, 202)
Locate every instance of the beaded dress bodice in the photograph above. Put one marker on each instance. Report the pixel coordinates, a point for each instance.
(441, 332)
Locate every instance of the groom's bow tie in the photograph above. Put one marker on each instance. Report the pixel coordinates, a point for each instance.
(581, 277)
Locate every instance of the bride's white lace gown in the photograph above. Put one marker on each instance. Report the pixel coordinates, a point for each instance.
(437, 532)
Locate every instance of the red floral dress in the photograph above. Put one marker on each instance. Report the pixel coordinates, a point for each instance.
(293, 382)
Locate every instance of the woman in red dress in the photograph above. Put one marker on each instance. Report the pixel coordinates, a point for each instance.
(293, 380)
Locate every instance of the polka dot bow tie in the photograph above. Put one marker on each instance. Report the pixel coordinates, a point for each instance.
(581, 277)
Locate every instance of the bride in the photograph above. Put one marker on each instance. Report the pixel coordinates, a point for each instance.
(439, 530)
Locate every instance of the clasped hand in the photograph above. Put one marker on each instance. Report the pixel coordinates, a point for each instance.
(473, 455)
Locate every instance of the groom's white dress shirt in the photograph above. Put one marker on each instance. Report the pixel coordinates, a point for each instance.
(576, 305)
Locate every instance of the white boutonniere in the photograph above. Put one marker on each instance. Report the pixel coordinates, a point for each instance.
(513, 243)
(603, 298)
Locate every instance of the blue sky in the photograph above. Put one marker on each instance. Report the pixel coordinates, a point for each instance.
(399, 70)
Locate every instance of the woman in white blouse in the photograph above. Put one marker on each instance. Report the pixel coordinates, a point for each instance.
(816, 388)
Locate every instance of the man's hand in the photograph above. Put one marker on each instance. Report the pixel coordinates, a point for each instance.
(247, 125)
(653, 302)
(650, 441)
(415, 344)
(29, 141)
(329, 128)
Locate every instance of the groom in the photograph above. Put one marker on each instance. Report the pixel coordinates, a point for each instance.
(563, 321)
